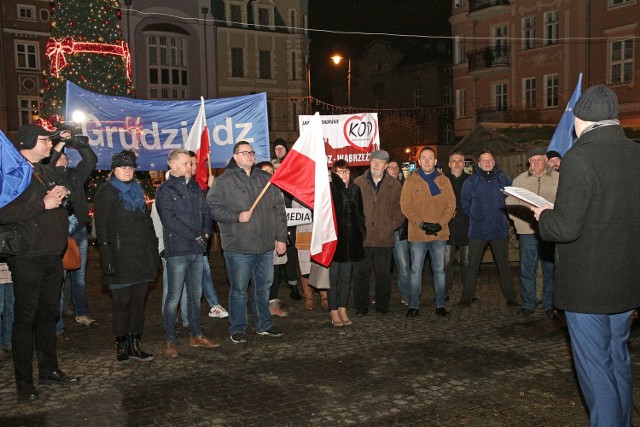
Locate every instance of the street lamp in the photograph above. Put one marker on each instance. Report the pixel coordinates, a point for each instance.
(336, 60)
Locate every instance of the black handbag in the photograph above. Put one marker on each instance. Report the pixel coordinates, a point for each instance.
(9, 240)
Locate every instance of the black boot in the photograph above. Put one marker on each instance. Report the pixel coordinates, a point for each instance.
(135, 349)
(294, 292)
(122, 349)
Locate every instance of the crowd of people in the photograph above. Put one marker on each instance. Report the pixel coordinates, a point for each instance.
(584, 241)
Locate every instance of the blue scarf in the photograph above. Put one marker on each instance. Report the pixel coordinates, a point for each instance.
(131, 194)
(429, 179)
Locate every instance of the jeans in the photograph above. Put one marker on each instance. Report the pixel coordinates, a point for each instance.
(449, 256)
(401, 260)
(339, 284)
(599, 343)
(183, 271)
(418, 252)
(77, 277)
(183, 297)
(533, 249)
(241, 269)
(37, 282)
(500, 250)
(208, 288)
(6, 314)
(380, 257)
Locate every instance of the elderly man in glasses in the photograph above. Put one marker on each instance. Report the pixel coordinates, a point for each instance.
(248, 238)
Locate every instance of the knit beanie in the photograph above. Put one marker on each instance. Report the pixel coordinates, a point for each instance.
(123, 158)
(596, 104)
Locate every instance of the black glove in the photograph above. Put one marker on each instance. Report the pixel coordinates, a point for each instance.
(430, 228)
(77, 141)
(106, 259)
(201, 241)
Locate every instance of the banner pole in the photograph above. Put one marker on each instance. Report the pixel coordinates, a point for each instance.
(264, 190)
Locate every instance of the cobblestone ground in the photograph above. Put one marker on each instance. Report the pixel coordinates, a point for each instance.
(483, 366)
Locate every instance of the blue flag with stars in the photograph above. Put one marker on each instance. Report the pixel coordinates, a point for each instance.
(15, 171)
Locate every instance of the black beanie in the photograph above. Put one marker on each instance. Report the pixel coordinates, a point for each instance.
(123, 158)
(596, 104)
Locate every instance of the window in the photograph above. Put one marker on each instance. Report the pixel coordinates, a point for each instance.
(264, 71)
(551, 91)
(458, 3)
(500, 96)
(461, 103)
(459, 55)
(294, 74)
(26, 12)
(167, 65)
(294, 116)
(528, 32)
(550, 27)
(500, 44)
(263, 17)
(379, 102)
(293, 20)
(27, 56)
(447, 133)
(529, 93)
(447, 96)
(619, 2)
(27, 107)
(236, 13)
(237, 62)
(416, 98)
(622, 61)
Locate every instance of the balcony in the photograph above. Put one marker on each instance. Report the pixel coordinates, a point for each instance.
(476, 5)
(495, 56)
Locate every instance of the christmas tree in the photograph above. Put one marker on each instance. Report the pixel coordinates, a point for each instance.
(86, 47)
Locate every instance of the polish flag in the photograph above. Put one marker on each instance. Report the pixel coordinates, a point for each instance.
(303, 174)
(198, 142)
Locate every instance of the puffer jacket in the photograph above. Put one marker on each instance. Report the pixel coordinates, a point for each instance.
(484, 202)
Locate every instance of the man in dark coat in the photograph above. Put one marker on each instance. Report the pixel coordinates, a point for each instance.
(37, 269)
(596, 226)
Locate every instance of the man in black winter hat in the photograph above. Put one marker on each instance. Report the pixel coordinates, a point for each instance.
(596, 227)
(37, 270)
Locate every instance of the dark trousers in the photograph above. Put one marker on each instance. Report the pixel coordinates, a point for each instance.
(381, 259)
(340, 284)
(37, 283)
(500, 249)
(128, 309)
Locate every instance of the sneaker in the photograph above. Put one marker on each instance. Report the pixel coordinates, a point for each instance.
(170, 350)
(273, 332)
(551, 314)
(201, 341)
(218, 312)
(86, 321)
(442, 312)
(238, 338)
(275, 309)
(404, 301)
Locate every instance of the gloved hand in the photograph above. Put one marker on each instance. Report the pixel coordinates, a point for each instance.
(106, 260)
(201, 240)
(430, 228)
(77, 141)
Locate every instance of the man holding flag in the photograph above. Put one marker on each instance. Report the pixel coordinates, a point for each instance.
(248, 235)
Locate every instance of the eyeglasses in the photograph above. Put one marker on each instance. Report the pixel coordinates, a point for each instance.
(247, 153)
(343, 172)
(44, 139)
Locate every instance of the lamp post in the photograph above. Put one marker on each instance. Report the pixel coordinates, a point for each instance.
(308, 87)
(128, 4)
(336, 60)
(205, 10)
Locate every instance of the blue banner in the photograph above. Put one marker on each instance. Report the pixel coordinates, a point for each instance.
(154, 128)
(565, 134)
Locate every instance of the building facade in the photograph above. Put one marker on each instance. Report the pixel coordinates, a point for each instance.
(518, 61)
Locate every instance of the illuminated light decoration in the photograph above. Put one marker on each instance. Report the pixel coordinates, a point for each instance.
(57, 49)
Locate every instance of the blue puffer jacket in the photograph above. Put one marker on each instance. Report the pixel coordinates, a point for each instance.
(184, 215)
(483, 201)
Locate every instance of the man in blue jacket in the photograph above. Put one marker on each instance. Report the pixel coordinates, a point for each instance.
(186, 227)
(484, 202)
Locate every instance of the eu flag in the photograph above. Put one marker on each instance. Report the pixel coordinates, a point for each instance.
(15, 171)
(564, 134)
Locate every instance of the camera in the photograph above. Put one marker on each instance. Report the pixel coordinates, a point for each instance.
(66, 201)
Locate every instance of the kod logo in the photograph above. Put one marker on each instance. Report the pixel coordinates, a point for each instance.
(360, 131)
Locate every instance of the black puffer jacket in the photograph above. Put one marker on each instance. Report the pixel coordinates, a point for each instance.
(347, 202)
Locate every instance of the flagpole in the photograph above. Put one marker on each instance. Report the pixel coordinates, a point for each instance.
(264, 190)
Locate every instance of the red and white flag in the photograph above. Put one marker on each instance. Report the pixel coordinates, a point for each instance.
(198, 142)
(303, 174)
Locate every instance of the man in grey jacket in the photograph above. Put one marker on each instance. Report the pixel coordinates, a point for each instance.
(248, 238)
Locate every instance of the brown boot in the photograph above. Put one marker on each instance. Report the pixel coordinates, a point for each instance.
(307, 291)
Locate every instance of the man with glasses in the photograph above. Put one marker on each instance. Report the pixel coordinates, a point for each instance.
(37, 270)
(248, 238)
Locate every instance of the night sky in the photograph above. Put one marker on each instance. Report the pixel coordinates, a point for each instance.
(422, 17)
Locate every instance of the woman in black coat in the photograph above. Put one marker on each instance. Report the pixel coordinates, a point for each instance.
(128, 252)
(347, 201)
